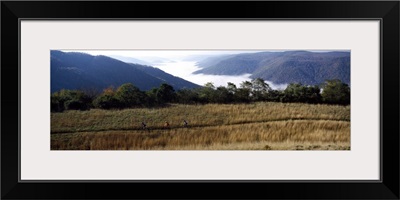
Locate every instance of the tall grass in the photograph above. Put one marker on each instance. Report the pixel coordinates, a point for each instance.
(196, 115)
(270, 135)
(262, 126)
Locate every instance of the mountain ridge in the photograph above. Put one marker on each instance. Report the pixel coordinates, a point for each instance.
(304, 67)
(75, 70)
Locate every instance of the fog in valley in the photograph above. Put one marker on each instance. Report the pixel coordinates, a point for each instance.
(180, 63)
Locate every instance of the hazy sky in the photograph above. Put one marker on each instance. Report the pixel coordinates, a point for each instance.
(147, 55)
(169, 54)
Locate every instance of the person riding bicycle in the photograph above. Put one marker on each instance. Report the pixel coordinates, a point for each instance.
(144, 126)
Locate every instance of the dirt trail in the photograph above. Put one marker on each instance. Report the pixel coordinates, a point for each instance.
(199, 126)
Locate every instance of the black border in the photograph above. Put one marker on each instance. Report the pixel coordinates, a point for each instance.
(387, 11)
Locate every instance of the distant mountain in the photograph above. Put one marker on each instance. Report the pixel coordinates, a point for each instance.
(285, 67)
(83, 71)
(194, 57)
(212, 60)
(154, 60)
(129, 60)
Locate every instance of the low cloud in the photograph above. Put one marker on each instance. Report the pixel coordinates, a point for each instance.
(277, 86)
(218, 80)
(184, 69)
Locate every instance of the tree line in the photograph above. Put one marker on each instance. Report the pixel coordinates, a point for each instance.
(130, 96)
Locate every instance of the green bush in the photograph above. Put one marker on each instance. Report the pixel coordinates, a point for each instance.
(129, 96)
(336, 92)
(106, 101)
(70, 100)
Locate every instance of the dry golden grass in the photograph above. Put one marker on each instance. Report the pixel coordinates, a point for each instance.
(257, 126)
(279, 146)
(277, 135)
(196, 115)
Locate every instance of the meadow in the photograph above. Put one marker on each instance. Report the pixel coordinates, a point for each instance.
(254, 126)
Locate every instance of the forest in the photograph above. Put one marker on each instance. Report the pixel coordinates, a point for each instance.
(256, 90)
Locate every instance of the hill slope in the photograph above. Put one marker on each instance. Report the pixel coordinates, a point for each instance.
(84, 71)
(286, 67)
(129, 60)
(175, 81)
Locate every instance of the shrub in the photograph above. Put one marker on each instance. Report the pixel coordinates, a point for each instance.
(70, 100)
(336, 92)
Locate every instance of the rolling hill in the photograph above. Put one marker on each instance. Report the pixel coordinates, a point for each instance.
(176, 82)
(86, 72)
(284, 67)
(127, 59)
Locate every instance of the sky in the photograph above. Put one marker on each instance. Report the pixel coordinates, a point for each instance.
(170, 54)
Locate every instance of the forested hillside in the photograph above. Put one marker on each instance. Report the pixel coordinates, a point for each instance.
(283, 67)
(86, 72)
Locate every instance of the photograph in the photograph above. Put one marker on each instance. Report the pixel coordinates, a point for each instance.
(199, 99)
(106, 99)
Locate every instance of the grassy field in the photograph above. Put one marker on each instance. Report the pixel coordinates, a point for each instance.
(257, 126)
